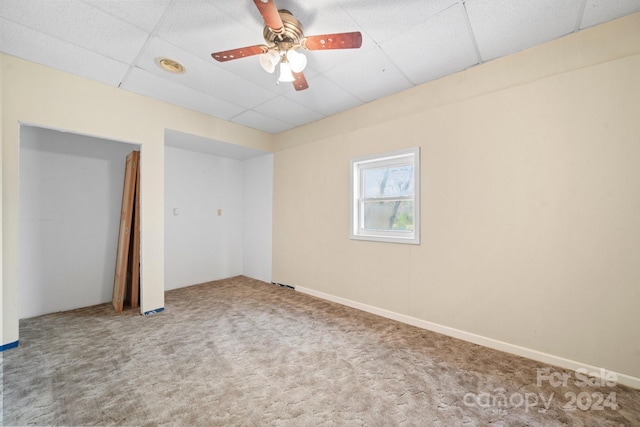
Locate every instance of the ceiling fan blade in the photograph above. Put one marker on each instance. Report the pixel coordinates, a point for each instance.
(333, 41)
(270, 14)
(300, 82)
(228, 55)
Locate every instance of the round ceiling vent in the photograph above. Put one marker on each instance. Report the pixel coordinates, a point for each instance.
(170, 65)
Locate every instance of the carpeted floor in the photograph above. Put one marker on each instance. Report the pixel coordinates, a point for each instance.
(243, 352)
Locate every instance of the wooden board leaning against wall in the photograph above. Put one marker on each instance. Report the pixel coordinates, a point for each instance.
(126, 282)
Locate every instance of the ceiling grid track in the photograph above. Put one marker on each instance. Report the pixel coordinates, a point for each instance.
(151, 35)
(580, 16)
(463, 3)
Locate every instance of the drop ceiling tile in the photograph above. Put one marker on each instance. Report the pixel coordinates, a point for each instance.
(324, 96)
(440, 46)
(502, 27)
(203, 75)
(369, 76)
(244, 12)
(389, 18)
(311, 12)
(151, 85)
(288, 111)
(319, 17)
(23, 42)
(598, 11)
(80, 24)
(203, 29)
(144, 14)
(262, 122)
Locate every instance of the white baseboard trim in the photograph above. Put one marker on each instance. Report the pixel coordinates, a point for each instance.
(539, 356)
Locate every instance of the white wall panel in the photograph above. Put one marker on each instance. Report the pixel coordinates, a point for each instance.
(70, 199)
(201, 245)
(258, 209)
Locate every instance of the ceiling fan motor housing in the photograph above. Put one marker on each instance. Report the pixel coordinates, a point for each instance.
(289, 36)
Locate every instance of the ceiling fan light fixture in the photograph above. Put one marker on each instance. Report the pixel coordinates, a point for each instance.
(297, 60)
(266, 63)
(285, 72)
(269, 60)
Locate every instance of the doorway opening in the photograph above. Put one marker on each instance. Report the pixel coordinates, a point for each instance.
(70, 195)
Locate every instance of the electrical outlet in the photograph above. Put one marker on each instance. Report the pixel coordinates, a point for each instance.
(219, 212)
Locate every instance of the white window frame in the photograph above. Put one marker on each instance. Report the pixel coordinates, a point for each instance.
(395, 158)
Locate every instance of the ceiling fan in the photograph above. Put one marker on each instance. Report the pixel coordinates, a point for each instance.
(284, 35)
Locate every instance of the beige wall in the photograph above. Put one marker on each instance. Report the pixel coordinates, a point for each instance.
(530, 202)
(37, 95)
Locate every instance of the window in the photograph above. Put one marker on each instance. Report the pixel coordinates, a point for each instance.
(385, 197)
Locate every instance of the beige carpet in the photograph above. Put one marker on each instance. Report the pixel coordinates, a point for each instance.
(244, 352)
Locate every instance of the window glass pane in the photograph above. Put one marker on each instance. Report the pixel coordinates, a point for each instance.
(385, 197)
(388, 215)
(388, 181)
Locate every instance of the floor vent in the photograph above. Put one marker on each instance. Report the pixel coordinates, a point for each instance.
(282, 285)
